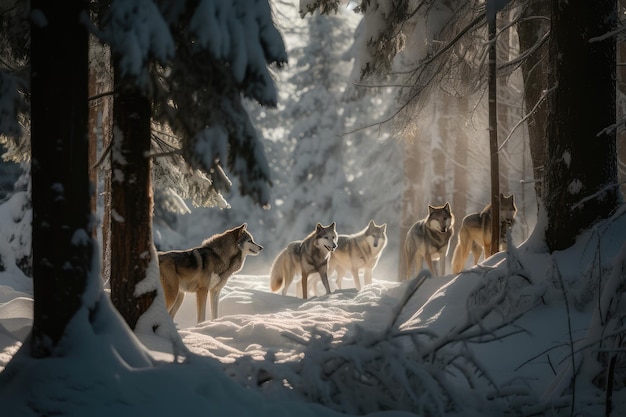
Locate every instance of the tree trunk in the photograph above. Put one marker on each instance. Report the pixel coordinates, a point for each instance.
(62, 220)
(461, 173)
(621, 114)
(131, 202)
(581, 171)
(438, 194)
(93, 141)
(503, 105)
(107, 138)
(493, 140)
(533, 27)
(412, 197)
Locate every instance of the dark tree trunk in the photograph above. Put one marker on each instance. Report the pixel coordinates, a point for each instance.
(493, 139)
(62, 220)
(131, 201)
(461, 173)
(93, 142)
(412, 199)
(532, 31)
(621, 114)
(581, 169)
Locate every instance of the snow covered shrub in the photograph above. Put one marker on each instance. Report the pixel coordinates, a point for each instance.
(369, 370)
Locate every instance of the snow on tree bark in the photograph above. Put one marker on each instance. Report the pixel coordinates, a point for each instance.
(131, 199)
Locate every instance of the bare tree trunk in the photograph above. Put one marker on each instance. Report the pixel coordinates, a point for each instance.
(93, 141)
(493, 141)
(621, 110)
(582, 108)
(504, 100)
(100, 124)
(461, 173)
(412, 196)
(131, 202)
(438, 194)
(533, 31)
(62, 219)
(107, 138)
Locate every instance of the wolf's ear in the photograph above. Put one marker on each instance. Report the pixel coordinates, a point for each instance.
(430, 209)
(384, 227)
(332, 225)
(371, 223)
(318, 227)
(242, 228)
(447, 206)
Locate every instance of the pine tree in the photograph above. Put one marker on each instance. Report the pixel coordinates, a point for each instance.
(63, 248)
(191, 85)
(581, 165)
(317, 157)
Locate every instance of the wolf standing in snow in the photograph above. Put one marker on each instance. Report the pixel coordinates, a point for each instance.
(205, 269)
(428, 239)
(358, 251)
(475, 232)
(304, 257)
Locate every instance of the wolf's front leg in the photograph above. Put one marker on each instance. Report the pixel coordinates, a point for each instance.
(324, 276)
(201, 295)
(213, 300)
(305, 285)
(429, 262)
(442, 261)
(357, 280)
(367, 276)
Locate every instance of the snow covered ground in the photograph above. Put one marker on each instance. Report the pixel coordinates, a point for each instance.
(501, 333)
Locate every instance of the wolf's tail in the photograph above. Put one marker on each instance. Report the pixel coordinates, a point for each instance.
(461, 252)
(278, 271)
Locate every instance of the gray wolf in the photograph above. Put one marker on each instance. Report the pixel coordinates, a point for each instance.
(205, 269)
(358, 251)
(304, 257)
(475, 232)
(428, 239)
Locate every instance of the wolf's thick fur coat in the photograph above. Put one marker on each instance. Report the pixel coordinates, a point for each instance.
(428, 239)
(204, 269)
(304, 257)
(358, 251)
(475, 232)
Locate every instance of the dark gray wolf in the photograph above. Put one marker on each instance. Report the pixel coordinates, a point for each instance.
(475, 232)
(428, 239)
(358, 251)
(304, 257)
(205, 269)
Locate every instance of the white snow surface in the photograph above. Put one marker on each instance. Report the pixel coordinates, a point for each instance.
(262, 336)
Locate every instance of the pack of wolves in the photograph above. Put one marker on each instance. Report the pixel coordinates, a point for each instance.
(206, 269)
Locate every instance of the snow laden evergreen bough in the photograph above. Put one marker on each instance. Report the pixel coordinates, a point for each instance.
(407, 366)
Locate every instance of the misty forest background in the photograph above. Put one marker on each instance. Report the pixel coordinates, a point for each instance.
(387, 154)
(381, 168)
(389, 105)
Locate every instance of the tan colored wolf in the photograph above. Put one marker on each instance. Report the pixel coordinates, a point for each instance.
(304, 257)
(475, 232)
(358, 251)
(205, 269)
(428, 239)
